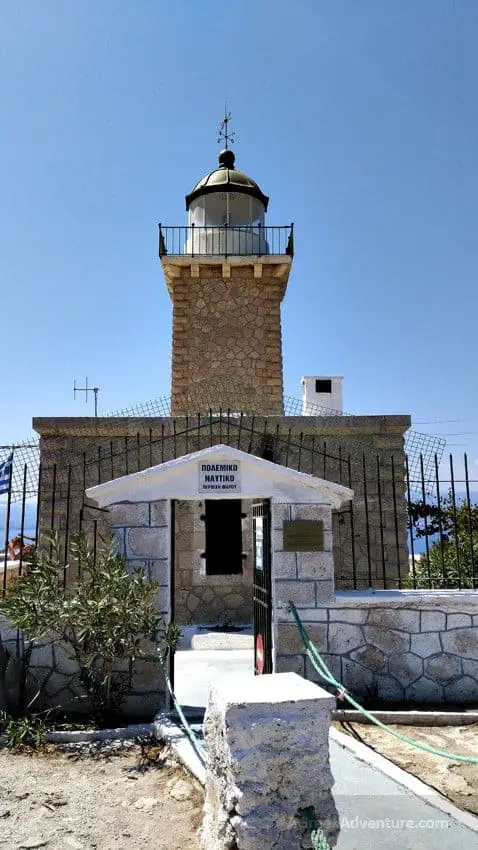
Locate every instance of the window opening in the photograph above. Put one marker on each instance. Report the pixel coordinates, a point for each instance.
(223, 520)
(323, 385)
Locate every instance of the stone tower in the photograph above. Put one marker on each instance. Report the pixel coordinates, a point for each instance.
(226, 273)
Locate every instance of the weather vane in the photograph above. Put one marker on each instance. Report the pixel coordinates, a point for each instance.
(224, 132)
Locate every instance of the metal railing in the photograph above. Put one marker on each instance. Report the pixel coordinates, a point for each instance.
(402, 529)
(229, 240)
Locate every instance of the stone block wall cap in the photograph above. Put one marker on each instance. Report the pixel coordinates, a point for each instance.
(100, 426)
(405, 594)
(85, 426)
(343, 425)
(276, 688)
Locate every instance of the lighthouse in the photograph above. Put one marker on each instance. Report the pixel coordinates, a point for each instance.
(226, 271)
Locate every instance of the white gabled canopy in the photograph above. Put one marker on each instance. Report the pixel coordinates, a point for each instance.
(184, 478)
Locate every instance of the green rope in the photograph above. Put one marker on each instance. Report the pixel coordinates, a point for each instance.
(323, 671)
(317, 835)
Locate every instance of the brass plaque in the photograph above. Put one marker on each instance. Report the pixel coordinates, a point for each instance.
(303, 535)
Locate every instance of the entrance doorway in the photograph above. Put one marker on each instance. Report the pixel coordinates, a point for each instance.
(204, 592)
(222, 592)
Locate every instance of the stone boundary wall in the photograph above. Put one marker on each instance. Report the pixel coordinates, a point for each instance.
(95, 448)
(395, 646)
(53, 669)
(407, 645)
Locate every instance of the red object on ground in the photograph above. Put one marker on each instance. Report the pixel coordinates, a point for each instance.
(259, 654)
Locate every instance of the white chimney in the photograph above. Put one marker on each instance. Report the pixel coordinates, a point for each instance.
(321, 394)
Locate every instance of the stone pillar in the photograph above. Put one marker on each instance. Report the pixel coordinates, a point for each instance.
(305, 578)
(268, 742)
(143, 534)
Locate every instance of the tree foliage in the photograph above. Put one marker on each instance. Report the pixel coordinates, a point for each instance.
(451, 530)
(102, 614)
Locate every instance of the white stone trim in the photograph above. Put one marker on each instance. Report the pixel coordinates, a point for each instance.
(260, 478)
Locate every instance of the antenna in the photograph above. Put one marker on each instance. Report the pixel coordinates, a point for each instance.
(86, 389)
(224, 132)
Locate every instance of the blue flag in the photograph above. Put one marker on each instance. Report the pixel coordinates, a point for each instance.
(6, 474)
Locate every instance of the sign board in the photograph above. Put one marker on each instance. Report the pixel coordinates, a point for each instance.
(303, 535)
(223, 477)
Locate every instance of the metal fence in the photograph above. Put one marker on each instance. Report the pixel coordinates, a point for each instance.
(420, 448)
(402, 529)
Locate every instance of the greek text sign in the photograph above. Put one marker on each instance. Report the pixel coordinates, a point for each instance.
(221, 477)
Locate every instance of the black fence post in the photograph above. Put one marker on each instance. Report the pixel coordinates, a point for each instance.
(352, 526)
(53, 505)
(67, 522)
(424, 498)
(382, 545)
(7, 531)
(440, 522)
(410, 521)
(395, 520)
(455, 524)
(470, 523)
(22, 521)
(39, 495)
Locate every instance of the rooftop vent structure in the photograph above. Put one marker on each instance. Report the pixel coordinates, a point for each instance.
(322, 395)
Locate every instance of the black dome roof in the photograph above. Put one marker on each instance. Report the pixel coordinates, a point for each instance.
(226, 178)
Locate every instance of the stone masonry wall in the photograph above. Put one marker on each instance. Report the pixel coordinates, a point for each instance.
(406, 646)
(53, 671)
(391, 646)
(80, 452)
(204, 599)
(227, 340)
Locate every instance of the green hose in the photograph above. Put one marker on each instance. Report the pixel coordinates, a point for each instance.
(196, 744)
(322, 669)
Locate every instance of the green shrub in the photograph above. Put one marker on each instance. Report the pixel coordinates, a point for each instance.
(15, 657)
(27, 731)
(103, 616)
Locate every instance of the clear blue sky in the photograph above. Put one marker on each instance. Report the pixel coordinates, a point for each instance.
(359, 119)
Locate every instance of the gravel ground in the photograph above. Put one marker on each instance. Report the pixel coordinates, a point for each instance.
(456, 780)
(118, 797)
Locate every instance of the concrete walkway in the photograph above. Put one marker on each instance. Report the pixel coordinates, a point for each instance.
(204, 657)
(195, 670)
(378, 813)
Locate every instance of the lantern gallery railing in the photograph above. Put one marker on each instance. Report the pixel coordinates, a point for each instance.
(253, 240)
